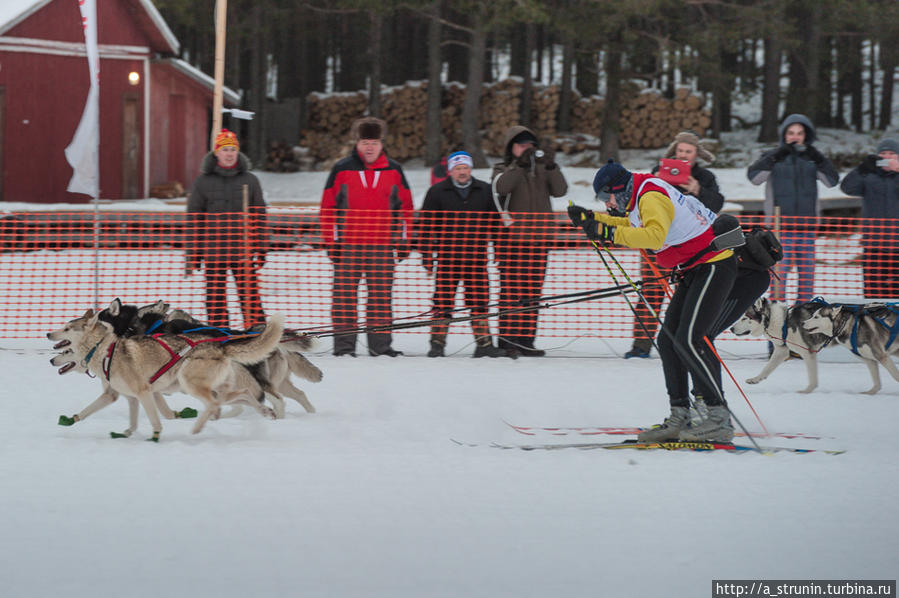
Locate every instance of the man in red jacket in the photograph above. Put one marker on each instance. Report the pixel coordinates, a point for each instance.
(366, 214)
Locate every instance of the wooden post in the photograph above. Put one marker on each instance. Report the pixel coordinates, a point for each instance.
(777, 282)
(221, 10)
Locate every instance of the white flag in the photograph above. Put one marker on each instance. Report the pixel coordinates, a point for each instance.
(84, 151)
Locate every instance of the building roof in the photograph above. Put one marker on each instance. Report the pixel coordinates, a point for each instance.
(230, 96)
(13, 12)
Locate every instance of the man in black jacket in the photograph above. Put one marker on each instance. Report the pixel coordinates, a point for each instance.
(458, 220)
(702, 185)
(226, 230)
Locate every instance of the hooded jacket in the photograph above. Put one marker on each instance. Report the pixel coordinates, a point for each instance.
(526, 189)
(369, 212)
(792, 180)
(216, 223)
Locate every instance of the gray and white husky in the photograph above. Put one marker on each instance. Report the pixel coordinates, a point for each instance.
(869, 331)
(783, 326)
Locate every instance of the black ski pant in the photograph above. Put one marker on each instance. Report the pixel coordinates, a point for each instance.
(375, 265)
(690, 317)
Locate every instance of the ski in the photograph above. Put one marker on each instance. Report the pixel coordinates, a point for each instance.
(649, 446)
(626, 431)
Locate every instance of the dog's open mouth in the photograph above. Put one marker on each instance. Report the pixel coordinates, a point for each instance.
(63, 343)
(66, 367)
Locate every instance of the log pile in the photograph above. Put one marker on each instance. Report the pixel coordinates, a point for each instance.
(648, 120)
(281, 158)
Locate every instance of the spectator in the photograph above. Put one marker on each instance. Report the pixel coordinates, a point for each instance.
(792, 172)
(366, 215)
(523, 182)
(226, 226)
(679, 229)
(877, 182)
(439, 171)
(702, 185)
(459, 220)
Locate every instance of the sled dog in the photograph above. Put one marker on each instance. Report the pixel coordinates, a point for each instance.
(869, 331)
(782, 325)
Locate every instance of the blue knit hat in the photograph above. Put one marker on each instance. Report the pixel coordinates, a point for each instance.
(611, 178)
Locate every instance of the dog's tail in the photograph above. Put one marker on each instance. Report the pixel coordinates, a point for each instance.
(302, 367)
(257, 348)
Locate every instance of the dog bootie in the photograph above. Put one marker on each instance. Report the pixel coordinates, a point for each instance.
(717, 427)
(668, 430)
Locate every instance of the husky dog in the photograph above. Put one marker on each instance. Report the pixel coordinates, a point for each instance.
(143, 366)
(869, 331)
(272, 374)
(67, 361)
(782, 326)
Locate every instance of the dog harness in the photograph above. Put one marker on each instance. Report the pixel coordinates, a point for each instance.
(177, 355)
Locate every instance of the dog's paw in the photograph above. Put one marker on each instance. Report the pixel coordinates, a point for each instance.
(755, 380)
(808, 390)
(872, 391)
(268, 413)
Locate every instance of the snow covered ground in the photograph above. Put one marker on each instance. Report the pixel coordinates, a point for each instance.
(370, 497)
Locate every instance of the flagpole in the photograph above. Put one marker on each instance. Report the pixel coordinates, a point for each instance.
(221, 10)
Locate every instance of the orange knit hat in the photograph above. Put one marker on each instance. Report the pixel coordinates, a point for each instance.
(225, 138)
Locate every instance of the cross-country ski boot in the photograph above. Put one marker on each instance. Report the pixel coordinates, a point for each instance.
(670, 429)
(717, 427)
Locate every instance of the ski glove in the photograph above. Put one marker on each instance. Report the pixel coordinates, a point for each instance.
(782, 152)
(813, 154)
(578, 215)
(869, 164)
(524, 160)
(599, 231)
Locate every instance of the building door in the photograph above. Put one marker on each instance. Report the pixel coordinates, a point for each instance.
(177, 139)
(2, 137)
(130, 147)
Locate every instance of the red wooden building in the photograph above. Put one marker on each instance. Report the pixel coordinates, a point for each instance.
(155, 109)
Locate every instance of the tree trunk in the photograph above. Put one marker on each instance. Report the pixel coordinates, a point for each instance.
(771, 89)
(855, 83)
(527, 89)
(432, 129)
(471, 136)
(611, 118)
(587, 77)
(565, 95)
(888, 63)
(517, 50)
(374, 79)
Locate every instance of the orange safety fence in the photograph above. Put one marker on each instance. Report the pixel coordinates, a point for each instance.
(54, 265)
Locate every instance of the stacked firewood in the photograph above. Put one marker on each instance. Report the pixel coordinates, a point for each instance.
(648, 120)
(281, 158)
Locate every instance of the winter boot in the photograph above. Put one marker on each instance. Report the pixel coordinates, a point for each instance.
(669, 429)
(699, 412)
(438, 341)
(640, 348)
(484, 341)
(717, 427)
(436, 348)
(527, 348)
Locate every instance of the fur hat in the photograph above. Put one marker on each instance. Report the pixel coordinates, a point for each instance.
(693, 139)
(611, 178)
(369, 127)
(224, 139)
(888, 145)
